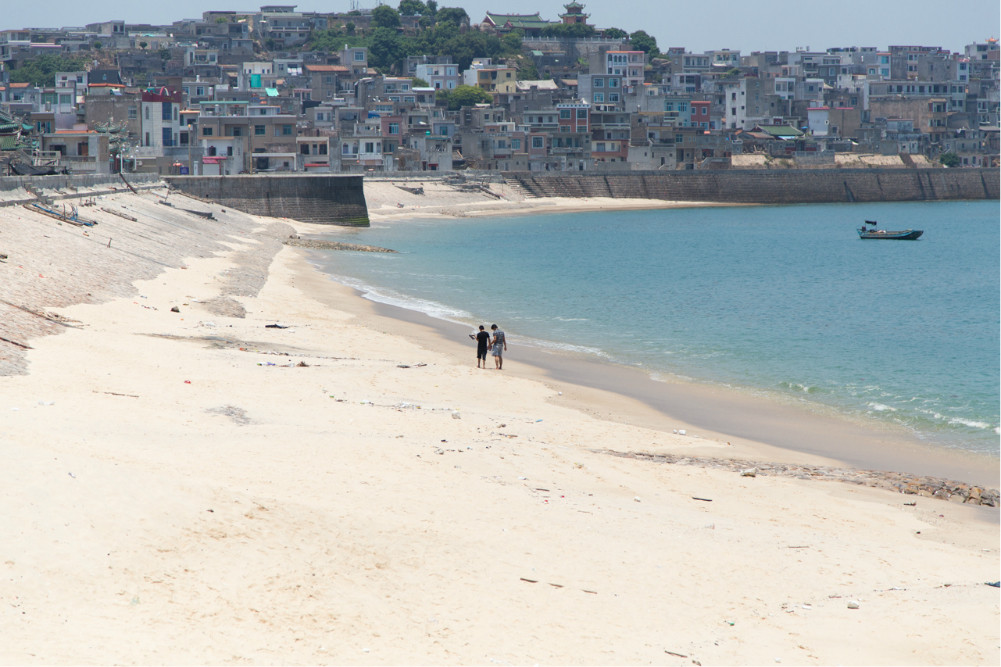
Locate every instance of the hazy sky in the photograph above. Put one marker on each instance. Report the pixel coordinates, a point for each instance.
(696, 25)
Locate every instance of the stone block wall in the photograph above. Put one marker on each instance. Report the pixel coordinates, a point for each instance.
(320, 198)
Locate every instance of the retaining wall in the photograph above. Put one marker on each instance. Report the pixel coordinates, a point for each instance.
(767, 186)
(62, 186)
(320, 198)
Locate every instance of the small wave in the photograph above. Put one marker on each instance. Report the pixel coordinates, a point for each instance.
(431, 308)
(565, 347)
(800, 388)
(879, 407)
(969, 422)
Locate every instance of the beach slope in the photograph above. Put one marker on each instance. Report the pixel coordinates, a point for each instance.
(213, 454)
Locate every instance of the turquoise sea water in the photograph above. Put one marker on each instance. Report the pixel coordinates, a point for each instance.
(785, 301)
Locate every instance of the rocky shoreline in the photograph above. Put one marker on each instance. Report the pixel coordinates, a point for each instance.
(299, 242)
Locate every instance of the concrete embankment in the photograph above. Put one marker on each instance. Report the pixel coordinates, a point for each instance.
(319, 198)
(767, 186)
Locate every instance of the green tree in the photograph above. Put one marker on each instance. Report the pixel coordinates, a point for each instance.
(615, 33)
(455, 15)
(949, 159)
(385, 16)
(41, 70)
(511, 42)
(143, 45)
(412, 8)
(642, 41)
(527, 71)
(384, 48)
(418, 82)
(464, 96)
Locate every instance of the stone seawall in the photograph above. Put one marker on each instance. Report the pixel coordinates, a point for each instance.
(319, 198)
(767, 186)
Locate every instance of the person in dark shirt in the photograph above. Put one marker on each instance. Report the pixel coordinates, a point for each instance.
(482, 339)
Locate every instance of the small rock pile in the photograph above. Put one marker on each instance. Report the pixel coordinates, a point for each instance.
(916, 485)
(316, 244)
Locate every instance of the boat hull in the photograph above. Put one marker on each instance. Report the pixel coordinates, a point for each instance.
(905, 235)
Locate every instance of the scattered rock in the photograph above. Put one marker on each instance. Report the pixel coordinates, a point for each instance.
(930, 487)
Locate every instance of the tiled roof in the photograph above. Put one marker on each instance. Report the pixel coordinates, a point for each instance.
(518, 20)
(779, 130)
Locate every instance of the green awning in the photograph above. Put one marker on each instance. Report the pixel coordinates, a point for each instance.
(272, 92)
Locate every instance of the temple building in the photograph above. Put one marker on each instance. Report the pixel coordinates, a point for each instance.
(575, 14)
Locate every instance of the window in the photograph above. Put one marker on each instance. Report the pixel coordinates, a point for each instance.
(260, 130)
(394, 128)
(206, 131)
(613, 83)
(613, 97)
(537, 142)
(304, 149)
(516, 144)
(166, 111)
(565, 114)
(147, 113)
(286, 130)
(132, 113)
(359, 56)
(322, 149)
(581, 113)
(599, 98)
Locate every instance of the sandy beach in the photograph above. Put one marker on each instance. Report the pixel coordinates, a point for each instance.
(215, 455)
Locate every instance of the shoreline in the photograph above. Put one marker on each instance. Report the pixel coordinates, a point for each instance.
(782, 429)
(753, 428)
(227, 457)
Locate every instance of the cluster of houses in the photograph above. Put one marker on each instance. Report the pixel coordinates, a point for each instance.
(197, 97)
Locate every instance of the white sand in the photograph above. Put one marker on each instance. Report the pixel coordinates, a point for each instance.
(387, 200)
(171, 497)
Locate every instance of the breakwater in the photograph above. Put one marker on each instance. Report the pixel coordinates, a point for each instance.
(319, 198)
(768, 186)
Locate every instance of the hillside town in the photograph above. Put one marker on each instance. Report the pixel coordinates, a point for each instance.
(418, 88)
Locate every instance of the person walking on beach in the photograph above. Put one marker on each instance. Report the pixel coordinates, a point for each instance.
(482, 339)
(499, 346)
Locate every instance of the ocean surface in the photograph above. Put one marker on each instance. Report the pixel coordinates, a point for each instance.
(784, 302)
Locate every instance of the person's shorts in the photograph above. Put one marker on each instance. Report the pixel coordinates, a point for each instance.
(481, 354)
(498, 349)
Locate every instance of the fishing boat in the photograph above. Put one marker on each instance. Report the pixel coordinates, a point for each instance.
(865, 232)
